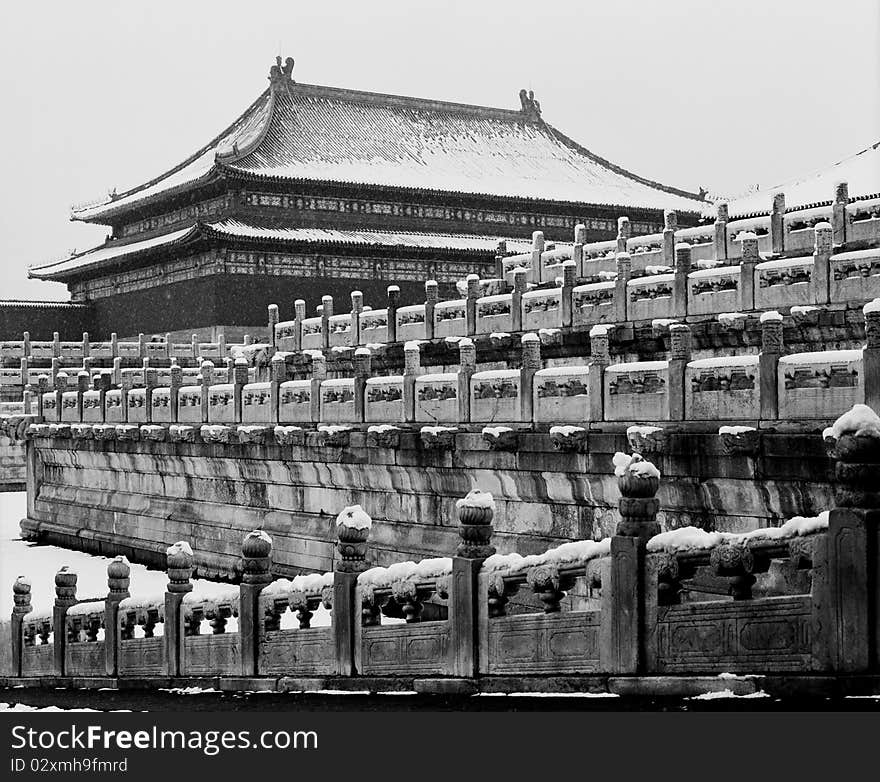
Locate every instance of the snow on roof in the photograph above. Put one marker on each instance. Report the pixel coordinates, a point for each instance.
(860, 171)
(317, 133)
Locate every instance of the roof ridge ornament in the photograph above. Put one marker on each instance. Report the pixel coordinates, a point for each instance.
(281, 76)
(531, 108)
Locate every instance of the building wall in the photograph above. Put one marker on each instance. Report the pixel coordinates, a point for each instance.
(41, 320)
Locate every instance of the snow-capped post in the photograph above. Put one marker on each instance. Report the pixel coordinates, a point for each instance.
(838, 213)
(749, 260)
(531, 363)
(23, 369)
(319, 375)
(229, 364)
(520, 286)
(56, 368)
(256, 573)
(169, 346)
(118, 582)
(194, 343)
(822, 249)
(600, 357)
(470, 311)
(537, 250)
(239, 381)
(467, 365)
(500, 254)
(42, 390)
(871, 354)
(142, 345)
(411, 370)
(299, 310)
(126, 384)
(86, 345)
(627, 604)
(679, 356)
(60, 388)
(21, 606)
(393, 303)
(26, 344)
(432, 294)
(179, 564)
(357, 306)
(624, 231)
(352, 533)
(151, 381)
(82, 385)
(65, 596)
(362, 369)
(680, 281)
(221, 345)
(720, 238)
(577, 251)
(326, 314)
(569, 274)
(273, 322)
(624, 271)
(768, 363)
(56, 344)
(174, 385)
(475, 514)
(206, 380)
(845, 601)
(777, 226)
(277, 375)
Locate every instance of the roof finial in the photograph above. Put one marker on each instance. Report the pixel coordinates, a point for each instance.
(530, 107)
(281, 75)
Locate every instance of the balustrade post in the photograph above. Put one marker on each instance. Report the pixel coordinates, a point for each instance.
(26, 343)
(82, 385)
(169, 348)
(21, 606)
(749, 261)
(23, 370)
(768, 364)
(56, 368)
(352, 532)
(175, 385)
(475, 513)
(411, 370)
(229, 364)
(838, 213)
(621, 292)
(569, 274)
(362, 361)
(56, 344)
(206, 380)
(626, 625)
(65, 596)
(520, 286)
(537, 250)
(531, 363)
(871, 355)
(256, 558)
(600, 357)
(467, 358)
(432, 291)
(86, 345)
(624, 231)
(239, 381)
(142, 346)
(103, 384)
(114, 346)
(151, 381)
(777, 224)
(299, 308)
(357, 306)
(393, 303)
(194, 343)
(124, 387)
(577, 251)
(500, 254)
(179, 563)
(42, 389)
(319, 375)
(273, 322)
(679, 356)
(277, 375)
(326, 313)
(680, 282)
(820, 279)
(118, 581)
(846, 560)
(720, 238)
(221, 345)
(470, 310)
(60, 388)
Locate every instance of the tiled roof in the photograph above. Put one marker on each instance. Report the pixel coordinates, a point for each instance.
(860, 171)
(326, 134)
(236, 229)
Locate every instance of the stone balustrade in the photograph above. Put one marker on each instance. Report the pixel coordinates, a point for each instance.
(643, 602)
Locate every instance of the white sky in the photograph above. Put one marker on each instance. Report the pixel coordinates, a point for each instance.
(97, 94)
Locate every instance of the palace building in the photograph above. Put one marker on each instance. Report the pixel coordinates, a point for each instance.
(318, 190)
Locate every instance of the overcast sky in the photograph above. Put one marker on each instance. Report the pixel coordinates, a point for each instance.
(97, 95)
